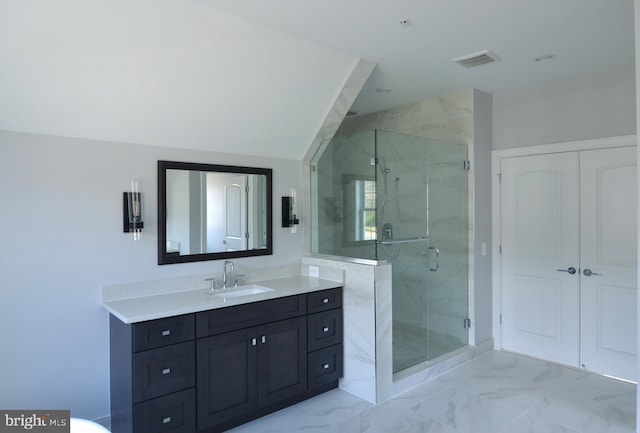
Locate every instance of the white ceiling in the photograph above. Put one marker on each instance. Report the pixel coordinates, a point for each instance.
(258, 77)
(415, 61)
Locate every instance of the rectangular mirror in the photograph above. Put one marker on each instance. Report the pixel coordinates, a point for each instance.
(212, 212)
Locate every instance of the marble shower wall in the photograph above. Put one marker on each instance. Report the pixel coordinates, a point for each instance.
(445, 118)
(367, 326)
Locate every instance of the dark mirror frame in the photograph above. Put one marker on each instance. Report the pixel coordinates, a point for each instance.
(163, 257)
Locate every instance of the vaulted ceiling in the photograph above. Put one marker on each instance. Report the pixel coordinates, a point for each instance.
(258, 77)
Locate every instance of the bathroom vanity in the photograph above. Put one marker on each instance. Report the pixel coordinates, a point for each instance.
(206, 363)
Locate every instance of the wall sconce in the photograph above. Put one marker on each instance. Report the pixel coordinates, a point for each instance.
(289, 218)
(132, 212)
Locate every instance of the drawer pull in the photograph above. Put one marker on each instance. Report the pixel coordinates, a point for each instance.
(166, 420)
(325, 300)
(325, 329)
(166, 332)
(166, 370)
(325, 366)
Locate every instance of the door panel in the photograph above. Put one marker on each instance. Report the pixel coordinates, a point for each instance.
(608, 248)
(540, 310)
(536, 299)
(235, 196)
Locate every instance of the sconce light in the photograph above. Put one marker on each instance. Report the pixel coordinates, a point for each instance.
(289, 218)
(132, 212)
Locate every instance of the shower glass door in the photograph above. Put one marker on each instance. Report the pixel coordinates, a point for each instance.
(421, 217)
(381, 195)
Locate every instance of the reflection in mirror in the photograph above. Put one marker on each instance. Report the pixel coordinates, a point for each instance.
(210, 212)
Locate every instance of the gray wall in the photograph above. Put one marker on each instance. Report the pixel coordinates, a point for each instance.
(62, 240)
(587, 107)
(482, 136)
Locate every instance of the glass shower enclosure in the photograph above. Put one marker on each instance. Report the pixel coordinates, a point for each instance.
(382, 195)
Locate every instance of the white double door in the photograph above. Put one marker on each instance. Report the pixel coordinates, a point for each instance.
(569, 258)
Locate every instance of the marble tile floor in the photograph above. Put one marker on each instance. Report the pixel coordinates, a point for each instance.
(498, 392)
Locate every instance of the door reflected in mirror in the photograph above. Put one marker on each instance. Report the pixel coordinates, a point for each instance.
(210, 212)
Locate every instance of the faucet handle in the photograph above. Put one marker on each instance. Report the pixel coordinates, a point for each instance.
(213, 282)
(235, 281)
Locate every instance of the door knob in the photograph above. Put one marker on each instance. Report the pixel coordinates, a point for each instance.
(570, 270)
(587, 272)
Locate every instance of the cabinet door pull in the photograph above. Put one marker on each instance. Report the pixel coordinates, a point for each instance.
(166, 420)
(325, 329)
(325, 366)
(166, 370)
(254, 342)
(325, 300)
(264, 339)
(166, 332)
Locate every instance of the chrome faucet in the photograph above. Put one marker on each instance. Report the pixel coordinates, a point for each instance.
(224, 274)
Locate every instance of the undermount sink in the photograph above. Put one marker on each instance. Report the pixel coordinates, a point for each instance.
(237, 292)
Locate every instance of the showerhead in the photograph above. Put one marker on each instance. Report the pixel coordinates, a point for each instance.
(383, 168)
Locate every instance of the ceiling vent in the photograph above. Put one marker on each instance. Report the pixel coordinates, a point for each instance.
(477, 59)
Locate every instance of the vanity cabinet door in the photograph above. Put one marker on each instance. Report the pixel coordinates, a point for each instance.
(241, 372)
(227, 376)
(282, 360)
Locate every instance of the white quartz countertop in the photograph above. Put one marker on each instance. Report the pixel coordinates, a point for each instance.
(150, 307)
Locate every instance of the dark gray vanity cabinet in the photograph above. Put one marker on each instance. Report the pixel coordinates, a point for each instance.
(242, 373)
(212, 370)
(153, 375)
(324, 338)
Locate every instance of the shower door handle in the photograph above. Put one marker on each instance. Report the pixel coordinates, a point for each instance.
(437, 259)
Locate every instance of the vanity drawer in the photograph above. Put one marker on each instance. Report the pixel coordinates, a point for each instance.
(247, 315)
(324, 329)
(324, 300)
(175, 413)
(164, 370)
(163, 332)
(324, 366)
